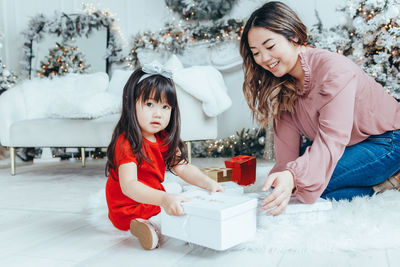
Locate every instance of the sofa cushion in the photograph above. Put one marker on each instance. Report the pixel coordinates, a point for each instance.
(85, 106)
(43, 95)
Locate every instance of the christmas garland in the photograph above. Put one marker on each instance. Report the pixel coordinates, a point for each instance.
(174, 39)
(246, 142)
(70, 26)
(201, 9)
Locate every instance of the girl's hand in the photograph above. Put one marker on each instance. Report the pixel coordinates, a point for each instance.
(172, 204)
(276, 202)
(213, 186)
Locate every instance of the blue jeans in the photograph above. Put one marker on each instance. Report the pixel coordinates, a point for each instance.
(363, 165)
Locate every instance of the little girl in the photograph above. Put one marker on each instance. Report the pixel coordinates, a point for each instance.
(146, 141)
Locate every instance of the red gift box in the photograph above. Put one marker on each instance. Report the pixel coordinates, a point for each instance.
(244, 169)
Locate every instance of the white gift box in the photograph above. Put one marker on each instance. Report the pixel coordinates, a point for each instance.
(230, 188)
(218, 221)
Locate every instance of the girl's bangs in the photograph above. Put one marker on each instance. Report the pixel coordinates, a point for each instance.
(157, 89)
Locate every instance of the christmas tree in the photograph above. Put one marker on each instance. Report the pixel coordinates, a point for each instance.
(7, 78)
(370, 35)
(63, 59)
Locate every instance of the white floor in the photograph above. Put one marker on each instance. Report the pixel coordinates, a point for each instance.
(43, 222)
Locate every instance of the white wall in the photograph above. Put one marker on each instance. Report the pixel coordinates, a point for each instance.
(135, 16)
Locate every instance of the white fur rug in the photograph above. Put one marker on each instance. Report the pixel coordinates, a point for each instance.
(364, 223)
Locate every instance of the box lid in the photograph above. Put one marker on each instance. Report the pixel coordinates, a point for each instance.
(230, 188)
(218, 206)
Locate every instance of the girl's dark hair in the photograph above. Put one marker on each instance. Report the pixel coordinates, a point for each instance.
(267, 95)
(159, 88)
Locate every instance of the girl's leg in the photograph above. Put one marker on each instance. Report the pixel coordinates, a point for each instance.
(364, 165)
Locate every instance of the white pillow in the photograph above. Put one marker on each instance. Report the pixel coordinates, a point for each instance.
(45, 96)
(97, 82)
(37, 97)
(85, 106)
(118, 81)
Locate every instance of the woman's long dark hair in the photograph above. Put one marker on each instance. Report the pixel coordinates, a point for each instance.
(267, 95)
(159, 88)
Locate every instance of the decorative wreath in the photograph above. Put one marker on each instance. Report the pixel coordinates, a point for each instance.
(201, 9)
(69, 26)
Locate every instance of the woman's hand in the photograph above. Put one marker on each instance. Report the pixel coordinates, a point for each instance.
(171, 203)
(276, 202)
(213, 186)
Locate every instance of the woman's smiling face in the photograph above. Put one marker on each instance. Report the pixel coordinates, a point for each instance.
(273, 51)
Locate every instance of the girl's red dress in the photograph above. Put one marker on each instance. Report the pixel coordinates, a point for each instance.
(122, 209)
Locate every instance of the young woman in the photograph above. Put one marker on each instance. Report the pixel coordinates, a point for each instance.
(350, 120)
(145, 142)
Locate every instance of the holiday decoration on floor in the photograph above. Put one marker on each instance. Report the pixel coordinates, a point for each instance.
(218, 174)
(201, 9)
(7, 78)
(63, 59)
(370, 36)
(247, 141)
(75, 153)
(243, 169)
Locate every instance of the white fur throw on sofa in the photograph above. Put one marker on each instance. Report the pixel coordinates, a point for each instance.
(77, 96)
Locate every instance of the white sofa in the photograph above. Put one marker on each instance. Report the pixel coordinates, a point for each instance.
(80, 111)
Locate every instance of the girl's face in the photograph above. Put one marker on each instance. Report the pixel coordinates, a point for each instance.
(152, 116)
(273, 51)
